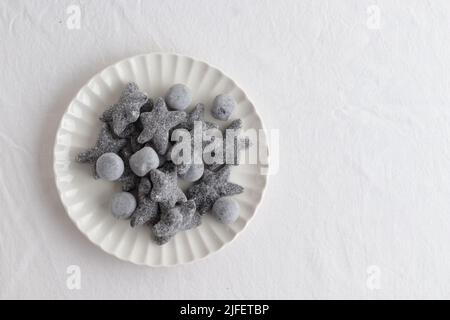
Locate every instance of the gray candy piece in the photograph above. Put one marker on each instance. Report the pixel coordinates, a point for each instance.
(211, 187)
(178, 97)
(147, 209)
(126, 110)
(144, 160)
(122, 205)
(176, 159)
(129, 131)
(196, 115)
(165, 187)
(231, 149)
(226, 210)
(223, 106)
(109, 166)
(231, 152)
(179, 218)
(157, 123)
(196, 155)
(194, 172)
(106, 142)
(128, 179)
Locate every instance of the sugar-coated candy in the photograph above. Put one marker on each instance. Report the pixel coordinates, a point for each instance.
(126, 110)
(106, 142)
(179, 218)
(109, 166)
(196, 114)
(232, 145)
(147, 209)
(157, 123)
(144, 160)
(122, 205)
(133, 148)
(165, 187)
(226, 210)
(128, 179)
(223, 106)
(211, 187)
(178, 97)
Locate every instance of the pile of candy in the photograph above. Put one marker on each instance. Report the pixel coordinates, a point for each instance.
(134, 148)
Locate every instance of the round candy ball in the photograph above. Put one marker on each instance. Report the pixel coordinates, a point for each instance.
(178, 97)
(223, 106)
(109, 166)
(226, 210)
(144, 160)
(194, 172)
(123, 204)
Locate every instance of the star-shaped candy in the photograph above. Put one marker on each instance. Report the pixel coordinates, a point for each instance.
(211, 187)
(176, 152)
(128, 179)
(196, 115)
(231, 146)
(179, 218)
(157, 123)
(147, 209)
(165, 187)
(129, 131)
(126, 110)
(194, 122)
(106, 142)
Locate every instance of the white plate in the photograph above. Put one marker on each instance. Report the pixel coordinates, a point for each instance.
(87, 200)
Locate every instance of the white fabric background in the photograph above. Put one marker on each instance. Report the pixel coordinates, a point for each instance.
(364, 121)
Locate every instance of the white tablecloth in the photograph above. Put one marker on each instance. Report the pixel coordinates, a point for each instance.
(360, 206)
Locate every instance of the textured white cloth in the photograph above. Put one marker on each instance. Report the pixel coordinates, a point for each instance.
(360, 206)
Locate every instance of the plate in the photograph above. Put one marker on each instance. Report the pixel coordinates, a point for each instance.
(87, 201)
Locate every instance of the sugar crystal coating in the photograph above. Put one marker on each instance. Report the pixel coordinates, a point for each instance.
(157, 123)
(211, 187)
(196, 114)
(129, 131)
(179, 218)
(126, 110)
(128, 179)
(147, 209)
(195, 143)
(106, 142)
(232, 145)
(165, 187)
